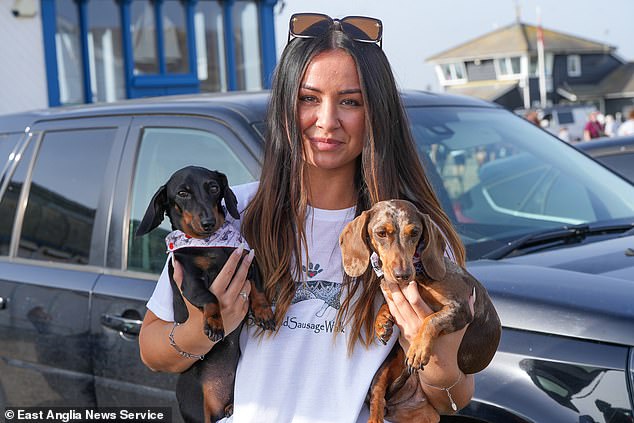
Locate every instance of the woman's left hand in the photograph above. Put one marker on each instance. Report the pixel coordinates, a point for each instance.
(409, 311)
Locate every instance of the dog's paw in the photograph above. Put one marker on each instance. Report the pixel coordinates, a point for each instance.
(418, 356)
(383, 328)
(229, 410)
(214, 332)
(264, 318)
(266, 324)
(384, 332)
(214, 328)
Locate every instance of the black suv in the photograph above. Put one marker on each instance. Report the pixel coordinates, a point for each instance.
(547, 230)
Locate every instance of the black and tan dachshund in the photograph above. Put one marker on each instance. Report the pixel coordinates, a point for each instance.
(409, 246)
(191, 198)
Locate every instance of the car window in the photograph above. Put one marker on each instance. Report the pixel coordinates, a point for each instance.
(9, 202)
(163, 151)
(621, 163)
(534, 189)
(506, 177)
(7, 145)
(64, 193)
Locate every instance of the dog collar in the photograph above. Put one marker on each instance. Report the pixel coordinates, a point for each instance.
(375, 261)
(226, 236)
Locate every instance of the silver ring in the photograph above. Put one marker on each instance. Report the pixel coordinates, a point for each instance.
(244, 295)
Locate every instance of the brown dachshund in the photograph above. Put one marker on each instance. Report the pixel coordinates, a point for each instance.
(191, 198)
(396, 231)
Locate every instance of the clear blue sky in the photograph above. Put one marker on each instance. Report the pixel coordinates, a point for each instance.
(417, 29)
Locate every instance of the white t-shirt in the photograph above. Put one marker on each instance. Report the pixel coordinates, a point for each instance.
(303, 373)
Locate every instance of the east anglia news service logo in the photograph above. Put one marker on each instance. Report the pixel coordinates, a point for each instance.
(109, 414)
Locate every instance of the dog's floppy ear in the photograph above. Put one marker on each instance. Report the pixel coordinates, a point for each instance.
(432, 256)
(230, 198)
(355, 252)
(154, 213)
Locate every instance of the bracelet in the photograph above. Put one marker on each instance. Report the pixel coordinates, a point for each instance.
(454, 407)
(177, 348)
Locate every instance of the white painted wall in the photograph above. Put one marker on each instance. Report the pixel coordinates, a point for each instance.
(22, 70)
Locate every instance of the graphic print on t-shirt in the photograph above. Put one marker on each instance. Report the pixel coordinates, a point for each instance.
(328, 292)
(312, 270)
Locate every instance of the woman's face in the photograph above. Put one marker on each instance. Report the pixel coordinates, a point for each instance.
(331, 112)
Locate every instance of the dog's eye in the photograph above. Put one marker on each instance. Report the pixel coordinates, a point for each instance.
(414, 233)
(381, 233)
(214, 189)
(183, 194)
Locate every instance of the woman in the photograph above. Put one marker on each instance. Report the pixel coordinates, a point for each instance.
(337, 143)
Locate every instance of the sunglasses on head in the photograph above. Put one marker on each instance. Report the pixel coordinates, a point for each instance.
(313, 25)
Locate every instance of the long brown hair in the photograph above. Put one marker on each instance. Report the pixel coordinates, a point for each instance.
(388, 168)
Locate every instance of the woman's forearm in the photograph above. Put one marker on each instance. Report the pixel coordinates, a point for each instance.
(444, 384)
(159, 355)
(442, 381)
(447, 397)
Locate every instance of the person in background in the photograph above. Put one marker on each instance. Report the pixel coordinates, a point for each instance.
(593, 128)
(337, 143)
(532, 117)
(611, 126)
(627, 127)
(564, 134)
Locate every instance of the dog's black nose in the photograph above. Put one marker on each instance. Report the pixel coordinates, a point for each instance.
(402, 275)
(208, 224)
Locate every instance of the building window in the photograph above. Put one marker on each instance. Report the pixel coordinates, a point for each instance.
(509, 67)
(105, 51)
(534, 69)
(574, 65)
(210, 46)
(143, 37)
(248, 57)
(175, 37)
(174, 51)
(69, 57)
(452, 72)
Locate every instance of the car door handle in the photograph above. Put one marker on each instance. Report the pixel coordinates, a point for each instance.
(3, 303)
(121, 324)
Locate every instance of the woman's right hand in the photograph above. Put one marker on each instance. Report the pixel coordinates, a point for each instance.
(230, 282)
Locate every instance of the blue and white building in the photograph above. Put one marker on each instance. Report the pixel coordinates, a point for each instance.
(64, 52)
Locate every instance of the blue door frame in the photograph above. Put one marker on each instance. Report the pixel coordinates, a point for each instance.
(161, 83)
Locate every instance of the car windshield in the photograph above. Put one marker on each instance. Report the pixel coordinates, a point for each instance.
(501, 178)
